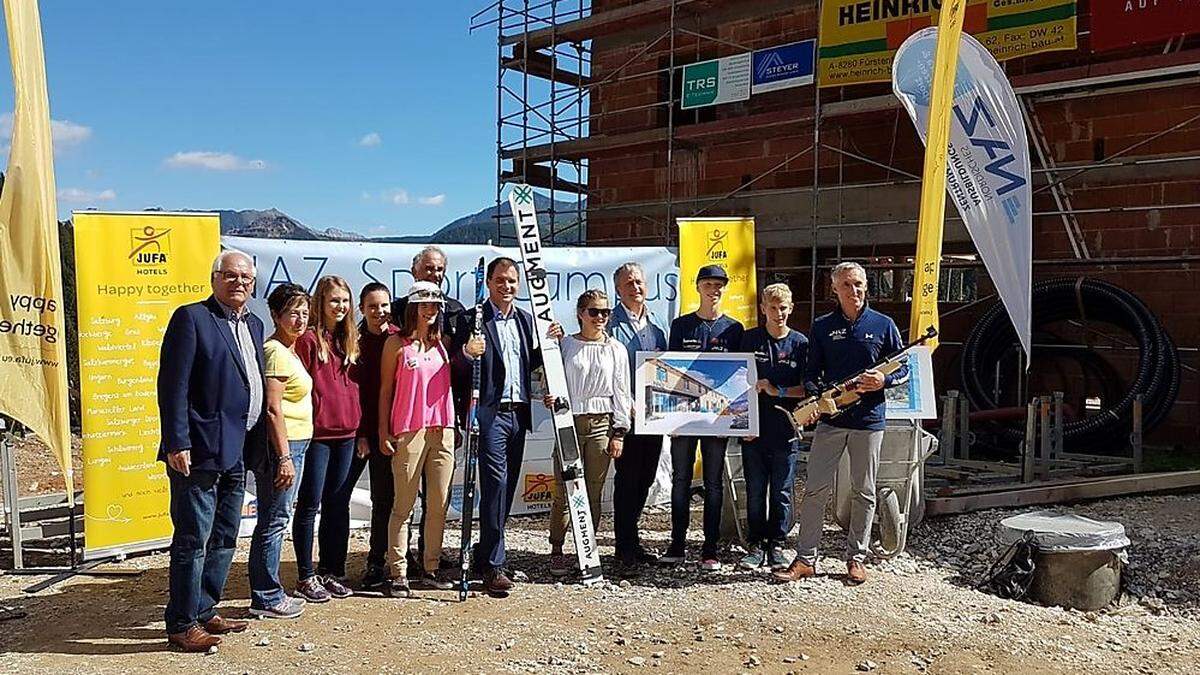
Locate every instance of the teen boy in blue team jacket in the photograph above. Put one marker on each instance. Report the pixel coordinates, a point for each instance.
(769, 460)
(705, 330)
(845, 341)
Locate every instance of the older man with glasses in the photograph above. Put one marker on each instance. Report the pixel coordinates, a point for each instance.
(211, 407)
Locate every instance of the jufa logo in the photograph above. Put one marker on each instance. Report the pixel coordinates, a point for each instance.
(716, 245)
(149, 246)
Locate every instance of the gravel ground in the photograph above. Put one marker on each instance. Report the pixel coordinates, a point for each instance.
(916, 614)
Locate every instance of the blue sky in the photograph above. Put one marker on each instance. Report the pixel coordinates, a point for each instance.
(377, 117)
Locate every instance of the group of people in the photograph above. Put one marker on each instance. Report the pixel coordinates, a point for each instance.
(326, 395)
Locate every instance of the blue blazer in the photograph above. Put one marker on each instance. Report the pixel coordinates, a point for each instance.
(620, 326)
(492, 373)
(203, 391)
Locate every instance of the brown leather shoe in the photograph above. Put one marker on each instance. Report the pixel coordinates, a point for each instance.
(496, 582)
(194, 639)
(219, 625)
(795, 572)
(856, 573)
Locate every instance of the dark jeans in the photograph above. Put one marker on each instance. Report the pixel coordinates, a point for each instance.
(501, 451)
(683, 459)
(769, 465)
(634, 475)
(266, 544)
(383, 493)
(324, 488)
(206, 510)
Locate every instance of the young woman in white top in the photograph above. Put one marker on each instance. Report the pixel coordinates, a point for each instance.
(597, 369)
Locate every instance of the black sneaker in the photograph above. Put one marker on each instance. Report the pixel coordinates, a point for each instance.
(645, 557)
(432, 582)
(777, 559)
(374, 579)
(676, 553)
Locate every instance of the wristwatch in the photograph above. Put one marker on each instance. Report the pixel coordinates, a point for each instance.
(618, 433)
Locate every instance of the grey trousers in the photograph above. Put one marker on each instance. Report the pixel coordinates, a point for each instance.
(827, 447)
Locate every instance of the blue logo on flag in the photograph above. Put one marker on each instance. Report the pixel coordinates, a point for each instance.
(784, 66)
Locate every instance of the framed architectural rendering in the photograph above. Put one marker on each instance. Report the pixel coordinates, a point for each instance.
(696, 394)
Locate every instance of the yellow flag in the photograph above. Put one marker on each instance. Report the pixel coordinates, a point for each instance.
(927, 265)
(33, 354)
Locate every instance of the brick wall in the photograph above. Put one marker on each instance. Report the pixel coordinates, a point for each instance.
(626, 183)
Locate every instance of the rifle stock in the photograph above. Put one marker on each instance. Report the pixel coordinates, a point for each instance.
(841, 395)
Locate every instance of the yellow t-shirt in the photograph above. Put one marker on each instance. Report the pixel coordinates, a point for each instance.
(282, 363)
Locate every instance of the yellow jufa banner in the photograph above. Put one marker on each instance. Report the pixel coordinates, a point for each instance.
(927, 264)
(33, 353)
(728, 242)
(860, 37)
(132, 271)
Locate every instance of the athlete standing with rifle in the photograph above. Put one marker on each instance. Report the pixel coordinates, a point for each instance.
(846, 341)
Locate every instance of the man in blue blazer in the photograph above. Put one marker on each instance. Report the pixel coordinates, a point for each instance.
(509, 356)
(212, 410)
(636, 326)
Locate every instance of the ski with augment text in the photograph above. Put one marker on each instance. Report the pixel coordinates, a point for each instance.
(472, 446)
(529, 241)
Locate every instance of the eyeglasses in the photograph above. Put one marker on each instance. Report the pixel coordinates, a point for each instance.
(236, 278)
(602, 312)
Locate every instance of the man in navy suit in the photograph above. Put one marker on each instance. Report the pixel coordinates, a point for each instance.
(211, 406)
(509, 356)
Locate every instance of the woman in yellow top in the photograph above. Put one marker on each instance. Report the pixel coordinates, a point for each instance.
(290, 430)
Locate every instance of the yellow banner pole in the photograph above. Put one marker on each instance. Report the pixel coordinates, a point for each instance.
(927, 264)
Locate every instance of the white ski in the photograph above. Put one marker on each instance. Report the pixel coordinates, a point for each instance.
(529, 240)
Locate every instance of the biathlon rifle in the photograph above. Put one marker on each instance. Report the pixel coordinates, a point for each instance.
(842, 395)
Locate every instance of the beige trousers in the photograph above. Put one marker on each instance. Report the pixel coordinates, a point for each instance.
(429, 451)
(592, 431)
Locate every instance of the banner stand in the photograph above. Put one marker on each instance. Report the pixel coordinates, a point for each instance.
(54, 513)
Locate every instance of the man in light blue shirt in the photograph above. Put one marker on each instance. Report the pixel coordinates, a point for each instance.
(508, 330)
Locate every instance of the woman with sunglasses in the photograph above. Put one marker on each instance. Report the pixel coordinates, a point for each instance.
(597, 368)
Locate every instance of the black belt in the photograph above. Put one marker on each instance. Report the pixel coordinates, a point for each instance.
(511, 407)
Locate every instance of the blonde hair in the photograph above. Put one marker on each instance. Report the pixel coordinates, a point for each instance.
(345, 333)
(778, 293)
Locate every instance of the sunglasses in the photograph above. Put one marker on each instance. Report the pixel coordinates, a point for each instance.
(595, 312)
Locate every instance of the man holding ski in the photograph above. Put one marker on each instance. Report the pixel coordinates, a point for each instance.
(508, 356)
(846, 341)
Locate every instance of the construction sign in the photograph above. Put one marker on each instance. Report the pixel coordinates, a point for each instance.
(728, 242)
(860, 37)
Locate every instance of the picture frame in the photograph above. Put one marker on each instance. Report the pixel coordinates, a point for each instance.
(696, 394)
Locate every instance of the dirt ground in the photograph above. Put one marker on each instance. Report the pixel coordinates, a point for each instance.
(916, 614)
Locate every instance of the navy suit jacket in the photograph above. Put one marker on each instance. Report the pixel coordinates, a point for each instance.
(492, 372)
(204, 393)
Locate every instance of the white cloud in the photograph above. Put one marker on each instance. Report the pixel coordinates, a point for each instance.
(401, 197)
(81, 196)
(370, 140)
(213, 161)
(63, 133)
(397, 196)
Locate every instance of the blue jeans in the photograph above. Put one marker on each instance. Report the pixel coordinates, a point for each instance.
(274, 507)
(323, 488)
(769, 465)
(206, 510)
(501, 452)
(683, 459)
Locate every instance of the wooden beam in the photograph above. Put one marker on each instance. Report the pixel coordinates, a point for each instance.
(1057, 492)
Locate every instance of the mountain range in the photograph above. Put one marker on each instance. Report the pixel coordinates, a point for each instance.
(477, 228)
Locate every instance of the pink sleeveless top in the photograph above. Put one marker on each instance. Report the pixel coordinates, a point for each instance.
(422, 397)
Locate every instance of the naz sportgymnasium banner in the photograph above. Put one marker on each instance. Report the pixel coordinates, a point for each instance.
(859, 37)
(987, 163)
(571, 271)
(132, 271)
(728, 242)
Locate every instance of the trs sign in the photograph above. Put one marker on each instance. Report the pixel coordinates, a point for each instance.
(784, 67)
(717, 81)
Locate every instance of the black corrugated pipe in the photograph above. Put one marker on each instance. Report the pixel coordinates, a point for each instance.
(1156, 377)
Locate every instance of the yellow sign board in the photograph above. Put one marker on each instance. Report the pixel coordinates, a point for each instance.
(860, 37)
(728, 242)
(132, 271)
